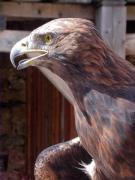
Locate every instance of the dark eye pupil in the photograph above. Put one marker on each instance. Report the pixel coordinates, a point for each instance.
(48, 38)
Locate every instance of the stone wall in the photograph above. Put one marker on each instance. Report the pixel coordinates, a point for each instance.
(12, 114)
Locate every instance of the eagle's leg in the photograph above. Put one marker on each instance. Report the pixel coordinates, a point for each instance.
(62, 162)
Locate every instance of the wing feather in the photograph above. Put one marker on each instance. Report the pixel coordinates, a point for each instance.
(112, 128)
(62, 161)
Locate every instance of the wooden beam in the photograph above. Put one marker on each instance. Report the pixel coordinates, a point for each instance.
(52, 10)
(45, 10)
(8, 38)
(111, 22)
(76, 1)
(131, 12)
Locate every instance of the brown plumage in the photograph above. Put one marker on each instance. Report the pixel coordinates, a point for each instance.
(99, 84)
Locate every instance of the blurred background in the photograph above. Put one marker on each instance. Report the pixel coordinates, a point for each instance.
(33, 114)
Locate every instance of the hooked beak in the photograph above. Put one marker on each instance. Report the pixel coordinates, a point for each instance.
(22, 57)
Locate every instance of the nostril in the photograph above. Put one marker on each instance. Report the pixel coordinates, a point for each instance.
(24, 45)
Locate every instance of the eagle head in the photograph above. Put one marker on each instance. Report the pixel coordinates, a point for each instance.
(58, 42)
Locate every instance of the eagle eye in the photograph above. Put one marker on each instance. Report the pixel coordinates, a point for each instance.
(48, 38)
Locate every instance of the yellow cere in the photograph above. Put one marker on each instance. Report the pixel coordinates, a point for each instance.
(48, 38)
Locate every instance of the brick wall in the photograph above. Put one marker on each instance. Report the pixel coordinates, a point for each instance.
(12, 114)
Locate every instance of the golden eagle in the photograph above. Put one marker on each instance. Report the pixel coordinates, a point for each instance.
(101, 87)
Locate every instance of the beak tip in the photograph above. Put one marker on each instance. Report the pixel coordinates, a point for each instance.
(12, 57)
(19, 67)
(12, 61)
